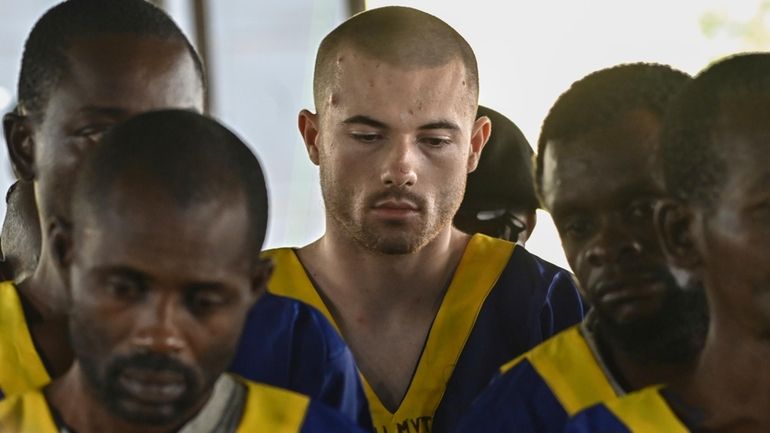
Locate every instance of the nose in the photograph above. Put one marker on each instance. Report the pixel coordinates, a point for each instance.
(613, 245)
(399, 168)
(157, 328)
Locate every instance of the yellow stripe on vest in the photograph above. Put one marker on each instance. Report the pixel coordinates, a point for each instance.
(571, 371)
(273, 410)
(21, 368)
(26, 413)
(480, 267)
(646, 411)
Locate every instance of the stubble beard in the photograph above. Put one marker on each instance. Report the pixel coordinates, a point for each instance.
(350, 214)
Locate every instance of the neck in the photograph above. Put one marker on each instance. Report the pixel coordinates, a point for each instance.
(44, 289)
(731, 383)
(634, 374)
(44, 293)
(377, 282)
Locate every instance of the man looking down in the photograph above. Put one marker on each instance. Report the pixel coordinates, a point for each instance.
(429, 312)
(160, 274)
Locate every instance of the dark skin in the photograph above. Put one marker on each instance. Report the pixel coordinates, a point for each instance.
(602, 196)
(143, 269)
(728, 248)
(111, 78)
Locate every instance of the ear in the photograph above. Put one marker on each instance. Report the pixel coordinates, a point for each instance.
(675, 225)
(482, 129)
(530, 220)
(60, 241)
(262, 273)
(308, 128)
(21, 146)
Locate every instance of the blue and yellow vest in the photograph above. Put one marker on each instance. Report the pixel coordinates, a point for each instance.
(267, 409)
(538, 391)
(501, 302)
(645, 411)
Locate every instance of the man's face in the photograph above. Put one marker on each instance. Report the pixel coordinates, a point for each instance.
(394, 148)
(601, 190)
(159, 296)
(734, 239)
(111, 78)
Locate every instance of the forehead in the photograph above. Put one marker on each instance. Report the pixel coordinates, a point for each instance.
(364, 84)
(744, 128)
(147, 230)
(132, 72)
(607, 163)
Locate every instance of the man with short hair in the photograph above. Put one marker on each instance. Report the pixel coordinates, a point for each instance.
(154, 316)
(429, 312)
(500, 198)
(599, 176)
(88, 65)
(716, 164)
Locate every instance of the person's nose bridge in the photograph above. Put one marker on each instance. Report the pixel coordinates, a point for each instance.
(158, 325)
(399, 168)
(614, 242)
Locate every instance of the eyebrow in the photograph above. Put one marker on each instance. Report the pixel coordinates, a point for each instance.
(368, 121)
(364, 120)
(109, 111)
(441, 124)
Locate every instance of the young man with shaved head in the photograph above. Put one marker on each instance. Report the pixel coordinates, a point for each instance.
(716, 229)
(429, 312)
(154, 317)
(88, 65)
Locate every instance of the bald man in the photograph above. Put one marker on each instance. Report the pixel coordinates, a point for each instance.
(429, 312)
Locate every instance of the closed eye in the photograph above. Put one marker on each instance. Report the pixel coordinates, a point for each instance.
(436, 141)
(366, 137)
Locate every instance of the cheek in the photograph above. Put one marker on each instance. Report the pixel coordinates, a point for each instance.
(57, 165)
(96, 334)
(215, 340)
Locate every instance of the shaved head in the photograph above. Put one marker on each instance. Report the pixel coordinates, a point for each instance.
(399, 36)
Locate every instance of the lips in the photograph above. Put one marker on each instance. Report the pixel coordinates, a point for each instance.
(628, 289)
(397, 205)
(152, 386)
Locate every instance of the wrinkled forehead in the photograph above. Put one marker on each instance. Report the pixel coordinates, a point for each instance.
(609, 161)
(131, 71)
(359, 80)
(133, 207)
(154, 233)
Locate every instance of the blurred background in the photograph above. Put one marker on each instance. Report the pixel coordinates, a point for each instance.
(260, 58)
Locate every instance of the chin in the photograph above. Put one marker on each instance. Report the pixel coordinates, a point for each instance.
(391, 241)
(143, 414)
(395, 246)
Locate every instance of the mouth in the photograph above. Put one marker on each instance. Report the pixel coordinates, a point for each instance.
(153, 386)
(393, 208)
(628, 290)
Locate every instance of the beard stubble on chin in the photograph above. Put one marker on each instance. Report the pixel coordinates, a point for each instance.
(675, 333)
(350, 213)
(101, 372)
